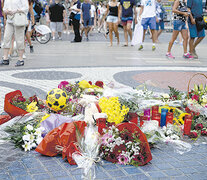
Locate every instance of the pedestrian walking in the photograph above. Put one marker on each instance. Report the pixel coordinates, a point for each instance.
(66, 5)
(86, 17)
(127, 8)
(1, 18)
(93, 16)
(197, 31)
(16, 13)
(148, 15)
(113, 12)
(179, 25)
(160, 12)
(57, 14)
(75, 17)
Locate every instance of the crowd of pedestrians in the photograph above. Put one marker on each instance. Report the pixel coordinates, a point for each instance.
(83, 18)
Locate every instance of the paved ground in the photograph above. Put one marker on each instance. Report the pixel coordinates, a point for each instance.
(94, 60)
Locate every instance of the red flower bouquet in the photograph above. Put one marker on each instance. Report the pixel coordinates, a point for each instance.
(125, 144)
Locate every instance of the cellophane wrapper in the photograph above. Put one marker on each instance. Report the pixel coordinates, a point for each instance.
(159, 136)
(89, 149)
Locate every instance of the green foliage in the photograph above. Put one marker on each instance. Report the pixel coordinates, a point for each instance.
(175, 94)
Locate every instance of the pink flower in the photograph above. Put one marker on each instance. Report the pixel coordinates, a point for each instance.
(21, 99)
(193, 135)
(105, 139)
(63, 84)
(199, 127)
(196, 97)
(122, 159)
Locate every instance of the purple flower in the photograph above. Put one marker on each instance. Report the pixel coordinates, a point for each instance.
(63, 84)
(122, 159)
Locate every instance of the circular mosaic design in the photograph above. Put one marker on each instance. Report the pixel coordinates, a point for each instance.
(47, 75)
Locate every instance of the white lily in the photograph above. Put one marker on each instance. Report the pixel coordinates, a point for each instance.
(38, 131)
(26, 137)
(29, 127)
(27, 146)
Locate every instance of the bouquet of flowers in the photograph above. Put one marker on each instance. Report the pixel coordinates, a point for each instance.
(25, 135)
(112, 107)
(125, 144)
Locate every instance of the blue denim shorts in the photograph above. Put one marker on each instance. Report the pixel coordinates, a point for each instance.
(160, 25)
(179, 25)
(87, 22)
(194, 32)
(151, 22)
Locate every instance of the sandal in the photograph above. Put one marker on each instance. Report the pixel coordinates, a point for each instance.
(19, 63)
(125, 45)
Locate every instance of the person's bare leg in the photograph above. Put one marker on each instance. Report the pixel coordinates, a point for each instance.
(129, 30)
(184, 34)
(125, 35)
(6, 53)
(21, 52)
(173, 38)
(110, 24)
(191, 45)
(153, 35)
(115, 25)
(198, 40)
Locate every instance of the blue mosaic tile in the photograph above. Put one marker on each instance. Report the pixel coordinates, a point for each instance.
(132, 170)
(199, 176)
(64, 178)
(180, 178)
(173, 172)
(110, 167)
(54, 168)
(32, 164)
(162, 178)
(29, 160)
(59, 173)
(15, 165)
(164, 166)
(23, 178)
(44, 158)
(179, 165)
(140, 176)
(116, 173)
(183, 157)
(78, 177)
(68, 166)
(76, 171)
(149, 167)
(36, 170)
(41, 176)
(192, 163)
(157, 174)
(203, 161)
(124, 178)
(49, 163)
(101, 175)
(188, 170)
(200, 168)
(17, 172)
(5, 177)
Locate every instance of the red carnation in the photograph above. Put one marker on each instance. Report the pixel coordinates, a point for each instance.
(112, 158)
(196, 97)
(118, 149)
(204, 133)
(193, 135)
(90, 82)
(99, 84)
(21, 99)
(199, 127)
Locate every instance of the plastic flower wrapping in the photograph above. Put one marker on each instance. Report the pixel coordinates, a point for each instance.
(170, 134)
(88, 155)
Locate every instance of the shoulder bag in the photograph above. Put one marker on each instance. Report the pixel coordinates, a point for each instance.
(20, 18)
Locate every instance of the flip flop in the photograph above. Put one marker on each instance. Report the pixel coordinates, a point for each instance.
(124, 45)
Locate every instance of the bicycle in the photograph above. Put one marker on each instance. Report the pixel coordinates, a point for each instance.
(41, 33)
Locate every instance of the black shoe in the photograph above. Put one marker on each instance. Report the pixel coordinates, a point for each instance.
(75, 41)
(31, 49)
(19, 63)
(4, 62)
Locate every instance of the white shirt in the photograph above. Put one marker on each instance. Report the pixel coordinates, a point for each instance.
(93, 10)
(149, 8)
(14, 5)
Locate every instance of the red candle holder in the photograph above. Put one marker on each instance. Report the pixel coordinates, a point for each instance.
(133, 117)
(101, 123)
(157, 117)
(187, 124)
(142, 119)
(155, 110)
(169, 118)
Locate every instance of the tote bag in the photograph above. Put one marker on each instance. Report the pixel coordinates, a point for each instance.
(138, 34)
(20, 18)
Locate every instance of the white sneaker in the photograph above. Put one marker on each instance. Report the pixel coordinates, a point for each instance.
(60, 38)
(53, 38)
(24, 56)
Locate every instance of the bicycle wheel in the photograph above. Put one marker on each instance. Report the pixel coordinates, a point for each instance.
(43, 39)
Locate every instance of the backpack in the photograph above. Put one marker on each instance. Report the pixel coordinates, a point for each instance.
(38, 7)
